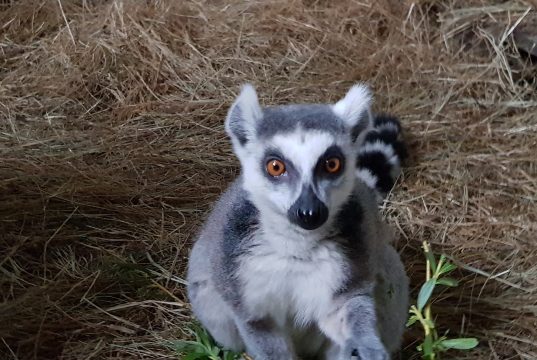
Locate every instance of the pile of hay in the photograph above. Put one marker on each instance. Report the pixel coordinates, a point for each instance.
(112, 149)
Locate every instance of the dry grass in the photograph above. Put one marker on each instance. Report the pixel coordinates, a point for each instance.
(112, 149)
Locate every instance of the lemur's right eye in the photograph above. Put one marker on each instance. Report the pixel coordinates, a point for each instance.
(333, 165)
(275, 167)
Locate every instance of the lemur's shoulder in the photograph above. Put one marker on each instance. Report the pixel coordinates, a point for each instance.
(241, 221)
(225, 213)
(225, 237)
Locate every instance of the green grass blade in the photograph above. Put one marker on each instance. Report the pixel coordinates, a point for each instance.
(183, 345)
(447, 268)
(195, 356)
(447, 281)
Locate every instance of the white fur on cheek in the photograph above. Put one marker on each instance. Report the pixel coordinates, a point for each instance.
(267, 196)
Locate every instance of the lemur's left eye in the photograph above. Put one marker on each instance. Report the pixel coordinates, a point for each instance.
(333, 165)
(275, 167)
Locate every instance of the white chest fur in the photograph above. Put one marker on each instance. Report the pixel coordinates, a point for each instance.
(287, 280)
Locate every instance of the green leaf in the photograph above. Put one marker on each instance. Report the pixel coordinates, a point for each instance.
(184, 345)
(215, 351)
(447, 268)
(411, 320)
(195, 356)
(447, 281)
(425, 293)
(203, 337)
(460, 344)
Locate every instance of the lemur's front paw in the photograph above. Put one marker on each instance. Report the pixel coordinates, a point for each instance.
(366, 348)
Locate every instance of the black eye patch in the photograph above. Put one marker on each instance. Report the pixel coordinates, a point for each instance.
(333, 151)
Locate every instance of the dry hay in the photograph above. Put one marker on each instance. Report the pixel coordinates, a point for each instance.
(112, 149)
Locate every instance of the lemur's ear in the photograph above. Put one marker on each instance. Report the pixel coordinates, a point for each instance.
(355, 109)
(243, 115)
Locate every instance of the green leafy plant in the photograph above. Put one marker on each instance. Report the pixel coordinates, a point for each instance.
(436, 274)
(202, 348)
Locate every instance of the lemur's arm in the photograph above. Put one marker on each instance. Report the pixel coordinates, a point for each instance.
(353, 326)
(263, 341)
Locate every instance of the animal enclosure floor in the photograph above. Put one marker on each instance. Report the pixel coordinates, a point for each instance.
(112, 150)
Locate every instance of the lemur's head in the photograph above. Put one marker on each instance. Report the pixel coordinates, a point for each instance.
(299, 161)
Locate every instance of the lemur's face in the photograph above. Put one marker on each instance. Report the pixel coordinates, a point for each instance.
(304, 175)
(298, 161)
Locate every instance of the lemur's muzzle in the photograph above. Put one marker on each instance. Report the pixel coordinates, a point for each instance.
(308, 211)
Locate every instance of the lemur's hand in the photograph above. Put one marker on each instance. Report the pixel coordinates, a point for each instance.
(368, 347)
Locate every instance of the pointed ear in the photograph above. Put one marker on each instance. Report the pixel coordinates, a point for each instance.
(243, 116)
(355, 109)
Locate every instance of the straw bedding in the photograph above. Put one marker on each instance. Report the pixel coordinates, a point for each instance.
(112, 149)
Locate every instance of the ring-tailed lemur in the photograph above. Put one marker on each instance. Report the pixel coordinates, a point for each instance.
(294, 260)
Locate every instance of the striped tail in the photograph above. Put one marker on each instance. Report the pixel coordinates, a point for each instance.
(381, 155)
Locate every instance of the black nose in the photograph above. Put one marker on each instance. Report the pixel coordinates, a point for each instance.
(311, 219)
(308, 211)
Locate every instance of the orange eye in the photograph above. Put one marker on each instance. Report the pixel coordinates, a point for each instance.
(275, 167)
(332, 165)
